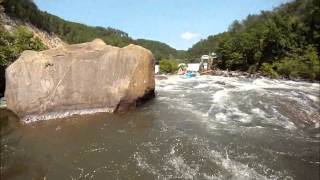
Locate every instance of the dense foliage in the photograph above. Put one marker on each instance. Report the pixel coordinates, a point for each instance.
(168, 66)
(12, 45)
(280, 43)
(160, 50)
(283, 42)
(71, 32)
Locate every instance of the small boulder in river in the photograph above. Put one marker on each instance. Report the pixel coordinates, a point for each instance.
(160, 77)
(81, 78)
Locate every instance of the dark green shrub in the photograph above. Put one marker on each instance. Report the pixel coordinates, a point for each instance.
(168, 66)
(267, 69)
(303, 64)
(252, 69)
(12, 45)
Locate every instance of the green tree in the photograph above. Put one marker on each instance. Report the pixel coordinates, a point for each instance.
(12, 45)
(70, 32)
(168, 66)
(283, 42)
(159, 50)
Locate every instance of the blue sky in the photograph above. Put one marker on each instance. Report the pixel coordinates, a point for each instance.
(179, 23)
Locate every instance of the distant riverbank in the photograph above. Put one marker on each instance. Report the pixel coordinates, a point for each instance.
(194, 67)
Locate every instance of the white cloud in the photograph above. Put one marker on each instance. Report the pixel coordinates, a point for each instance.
(189, 36)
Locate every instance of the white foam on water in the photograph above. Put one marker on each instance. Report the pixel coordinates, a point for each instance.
(237, 170)
(221, 117)
(142, 163)
(182, 170)
(152, 147)
(227, 103)
(223, 93)
(313, 98)
(174, 166)
(220, 96)
(58, 115)
(212, 177)
(317, 125)
(201, 86)
(258, 111)
(276, 118)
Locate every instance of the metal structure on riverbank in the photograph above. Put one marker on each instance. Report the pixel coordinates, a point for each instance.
(211, 62)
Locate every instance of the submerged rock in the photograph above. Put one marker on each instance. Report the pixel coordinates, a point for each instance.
(160, 77)
(88, 77)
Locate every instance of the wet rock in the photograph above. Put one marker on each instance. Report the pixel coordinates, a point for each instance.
(91, 76)
(226, 73)
(299, 117)
(220, 82)
(7, 116)
(159, 77)
(254, 75)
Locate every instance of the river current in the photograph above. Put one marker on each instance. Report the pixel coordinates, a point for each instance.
(206, 127)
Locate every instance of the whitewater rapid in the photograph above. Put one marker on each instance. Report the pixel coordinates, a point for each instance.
(205, 127)
(236, 100)
(244, 124)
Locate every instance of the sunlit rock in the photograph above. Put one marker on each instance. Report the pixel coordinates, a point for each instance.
(80, 78)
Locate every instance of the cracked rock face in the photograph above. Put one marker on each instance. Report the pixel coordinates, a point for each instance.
(88, 77)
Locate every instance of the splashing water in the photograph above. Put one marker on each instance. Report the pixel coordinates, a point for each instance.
(205, 127)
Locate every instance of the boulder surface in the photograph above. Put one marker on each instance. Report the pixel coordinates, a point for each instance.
(81, 78)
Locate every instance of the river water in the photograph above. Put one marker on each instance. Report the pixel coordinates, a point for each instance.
(196, 128)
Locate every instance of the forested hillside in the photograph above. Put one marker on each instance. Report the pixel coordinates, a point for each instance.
(72, 32)
(12, 44)
(160, 50)
(283, 42)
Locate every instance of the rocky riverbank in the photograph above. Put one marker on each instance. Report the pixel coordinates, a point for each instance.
(254, 75)
(225, 73)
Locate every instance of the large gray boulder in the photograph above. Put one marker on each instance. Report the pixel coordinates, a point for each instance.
(82, 78)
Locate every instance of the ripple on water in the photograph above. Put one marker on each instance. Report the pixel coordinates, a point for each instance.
(243, 108)
(206, 127)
